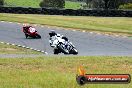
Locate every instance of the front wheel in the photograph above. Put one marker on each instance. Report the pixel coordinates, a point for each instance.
(74, 51)
(38, 36)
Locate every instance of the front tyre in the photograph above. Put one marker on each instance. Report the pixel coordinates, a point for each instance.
(74, 51)
(38, 36)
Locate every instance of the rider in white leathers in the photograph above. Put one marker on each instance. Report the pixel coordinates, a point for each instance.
(53, 34)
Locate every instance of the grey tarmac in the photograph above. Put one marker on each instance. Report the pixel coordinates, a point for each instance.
(87, 43)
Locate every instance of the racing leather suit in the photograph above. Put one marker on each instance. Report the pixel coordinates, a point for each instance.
(26, 28)
(61, 36)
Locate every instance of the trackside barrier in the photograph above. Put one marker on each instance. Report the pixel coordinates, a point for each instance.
(69, 12)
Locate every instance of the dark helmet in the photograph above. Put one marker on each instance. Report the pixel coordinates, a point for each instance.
(52, 33)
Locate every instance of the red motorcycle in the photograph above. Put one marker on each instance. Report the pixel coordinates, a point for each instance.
(31, 32)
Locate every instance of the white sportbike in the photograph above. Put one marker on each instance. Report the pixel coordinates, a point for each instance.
(62, 46)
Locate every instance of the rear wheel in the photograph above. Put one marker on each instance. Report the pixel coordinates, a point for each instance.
(26, 36)
(56, 51)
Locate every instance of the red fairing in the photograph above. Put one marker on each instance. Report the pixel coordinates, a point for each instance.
(30, 31)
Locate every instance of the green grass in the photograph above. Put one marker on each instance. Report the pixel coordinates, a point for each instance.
(35, 3)
(60, 72)
(9, 49)
(22, 3)
(72, 5)
(105, 24)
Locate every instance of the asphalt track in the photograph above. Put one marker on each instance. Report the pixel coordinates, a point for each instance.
(87, 43)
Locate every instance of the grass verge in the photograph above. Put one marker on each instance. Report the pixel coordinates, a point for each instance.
(22, 3)
(103, 24)
(9, 49)
(59, 72)
(35, 4)
(72, 5)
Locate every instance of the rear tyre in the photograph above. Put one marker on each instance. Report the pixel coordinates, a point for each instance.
(56, 51)
(26, 36)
